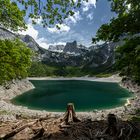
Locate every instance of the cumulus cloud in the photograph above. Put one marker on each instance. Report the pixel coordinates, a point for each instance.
(63, 28)
(68, 37)
(88, 5)
(38, 21)
(65, 33)
(90, 16)
(43, 42)
(58, 43)
(30, 31)
(34, 34)
(75, 18)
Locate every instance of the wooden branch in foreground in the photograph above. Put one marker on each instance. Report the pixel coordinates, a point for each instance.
(15, 131)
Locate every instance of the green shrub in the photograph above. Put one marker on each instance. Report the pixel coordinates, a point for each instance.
(15, 59)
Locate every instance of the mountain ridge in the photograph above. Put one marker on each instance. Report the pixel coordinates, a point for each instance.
(96, 57)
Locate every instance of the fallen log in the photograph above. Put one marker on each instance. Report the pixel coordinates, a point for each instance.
(38, 134)
(15, 131)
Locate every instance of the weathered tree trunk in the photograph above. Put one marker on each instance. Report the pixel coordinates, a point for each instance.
(70, 115)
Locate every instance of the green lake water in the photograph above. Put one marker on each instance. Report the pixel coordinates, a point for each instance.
(53, 95)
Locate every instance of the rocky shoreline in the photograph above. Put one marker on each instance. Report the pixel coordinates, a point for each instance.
(133, 103)
(113, 78)
(10, 112)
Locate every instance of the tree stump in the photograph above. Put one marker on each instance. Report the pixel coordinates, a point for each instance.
(112, 125)
(70, 115)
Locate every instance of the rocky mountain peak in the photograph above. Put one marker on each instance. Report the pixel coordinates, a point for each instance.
(56, 48)
(74, 43)
(71, 48)
(30, 42)
(74, 48)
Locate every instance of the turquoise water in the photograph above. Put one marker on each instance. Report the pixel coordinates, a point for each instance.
(53, 95)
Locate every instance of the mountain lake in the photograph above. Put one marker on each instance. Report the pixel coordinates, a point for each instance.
(53, 95)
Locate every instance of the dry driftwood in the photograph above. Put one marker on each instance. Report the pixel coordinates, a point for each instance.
(70, 115)
(15, 131)
(128, 131)
(38, 134)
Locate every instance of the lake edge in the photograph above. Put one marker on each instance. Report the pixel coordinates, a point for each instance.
(126, 99)
(8, 107)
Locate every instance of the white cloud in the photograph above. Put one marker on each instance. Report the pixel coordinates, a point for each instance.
(38, 21)
(30, 31)
(58, 43)
(34, 34)
(90, 16)
(73, 19)
(63, 28)
(70, 36)
(87, 5)
(85, 8)
(43, 43)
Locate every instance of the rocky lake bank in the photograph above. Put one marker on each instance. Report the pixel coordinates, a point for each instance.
(10, 112)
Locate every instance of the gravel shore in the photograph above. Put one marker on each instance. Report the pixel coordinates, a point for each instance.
(113, 78)
(10, 112)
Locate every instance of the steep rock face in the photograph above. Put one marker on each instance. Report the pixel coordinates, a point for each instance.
(31, 43)
(70, 54)
(101, 56)
(56, 48)
(64, 59)
(96, 57)
(71, 48)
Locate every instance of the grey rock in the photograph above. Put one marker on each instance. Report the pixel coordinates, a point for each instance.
(56, 48)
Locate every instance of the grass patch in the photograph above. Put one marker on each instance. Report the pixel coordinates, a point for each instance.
(103, 75)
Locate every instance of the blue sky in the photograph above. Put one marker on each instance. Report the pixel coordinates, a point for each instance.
(81, 27)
